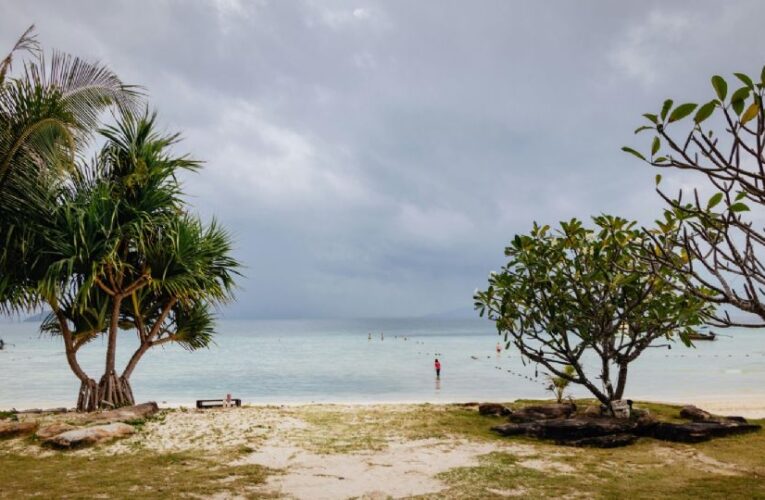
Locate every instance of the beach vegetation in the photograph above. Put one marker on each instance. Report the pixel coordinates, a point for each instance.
(589, 299)
(716, 145)
(49, 108)
(558, 385)
(125, 255)
(107, 245)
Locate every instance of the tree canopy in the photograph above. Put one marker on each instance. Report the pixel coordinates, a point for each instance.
(587, 300)
(718, 227)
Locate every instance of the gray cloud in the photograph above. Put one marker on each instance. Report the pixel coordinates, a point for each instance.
(373, 158)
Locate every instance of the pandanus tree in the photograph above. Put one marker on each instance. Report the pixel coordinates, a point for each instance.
(125, 256)
(585, 303)
(48, 112)
(720, 233)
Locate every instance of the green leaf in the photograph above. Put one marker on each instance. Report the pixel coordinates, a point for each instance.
(658, 179)
(744, 78)
(644, 127)
(651, 117)
(750, 112)
(740, 195)
(665, 109)
(762, 76)
(682, 111)
(656, 145)
(739, 207)
(705, 112)
(714, 200)
(721, 88)
(633, 152)
(738, 98)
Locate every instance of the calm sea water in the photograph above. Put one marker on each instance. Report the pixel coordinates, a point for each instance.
(333, 361)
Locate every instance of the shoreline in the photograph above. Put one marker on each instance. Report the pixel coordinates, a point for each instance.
(747, 406)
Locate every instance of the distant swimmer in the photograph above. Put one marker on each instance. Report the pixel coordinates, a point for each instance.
(437, 365)
(499, 348)
(370, 336)
(2, 344)
(382, 336)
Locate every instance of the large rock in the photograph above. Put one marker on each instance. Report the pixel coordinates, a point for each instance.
(695, 414)
(14, 428)
(595, 432)
(51, 430)
(696, 432)
(698, 415)
(543, 412)
(90, 435)
(610, 441)
(494, 409)
(125, 414)
(564, 429)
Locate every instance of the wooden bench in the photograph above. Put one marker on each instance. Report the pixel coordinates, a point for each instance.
(216, 403)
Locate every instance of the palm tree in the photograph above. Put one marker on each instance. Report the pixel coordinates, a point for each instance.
(129, 258)
(47, 114)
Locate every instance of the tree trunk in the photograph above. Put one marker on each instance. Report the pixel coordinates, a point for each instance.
(114, 392)
(87, 400)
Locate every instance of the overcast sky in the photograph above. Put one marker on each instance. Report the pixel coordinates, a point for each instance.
(374, 158)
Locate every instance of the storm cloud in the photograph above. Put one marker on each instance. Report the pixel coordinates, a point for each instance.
(374, 158)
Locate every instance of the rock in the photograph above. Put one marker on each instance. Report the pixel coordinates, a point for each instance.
(696, 432)
(90, 435)
(610, 441)
(543, 412)
(494, 409)
(13, 428)
(592, 411)
(136, 412)
(621, 408)
(512, 429)
(53, 430)
(567, 429)
(695, 414)
(698, 415)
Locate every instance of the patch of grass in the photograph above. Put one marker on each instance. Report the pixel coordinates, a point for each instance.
(132, 475)
(8, 415)
(339, 430)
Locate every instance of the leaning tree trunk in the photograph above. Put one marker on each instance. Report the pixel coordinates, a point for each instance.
(87, 400)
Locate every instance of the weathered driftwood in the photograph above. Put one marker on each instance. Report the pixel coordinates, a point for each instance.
(494, 409)
(126, 413)
(51, 430)
(14, 428)
(90, 435)
(542, 412)
(41, 411)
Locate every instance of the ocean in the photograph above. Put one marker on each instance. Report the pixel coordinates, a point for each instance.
(326, 361)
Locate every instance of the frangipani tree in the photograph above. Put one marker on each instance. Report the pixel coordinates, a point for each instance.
(127, 257)
(722, 233)
(585, 303)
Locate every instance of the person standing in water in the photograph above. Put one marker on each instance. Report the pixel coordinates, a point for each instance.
(499, 348)
(437, 365)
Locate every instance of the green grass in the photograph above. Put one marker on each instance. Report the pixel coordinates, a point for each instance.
(133, 475)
